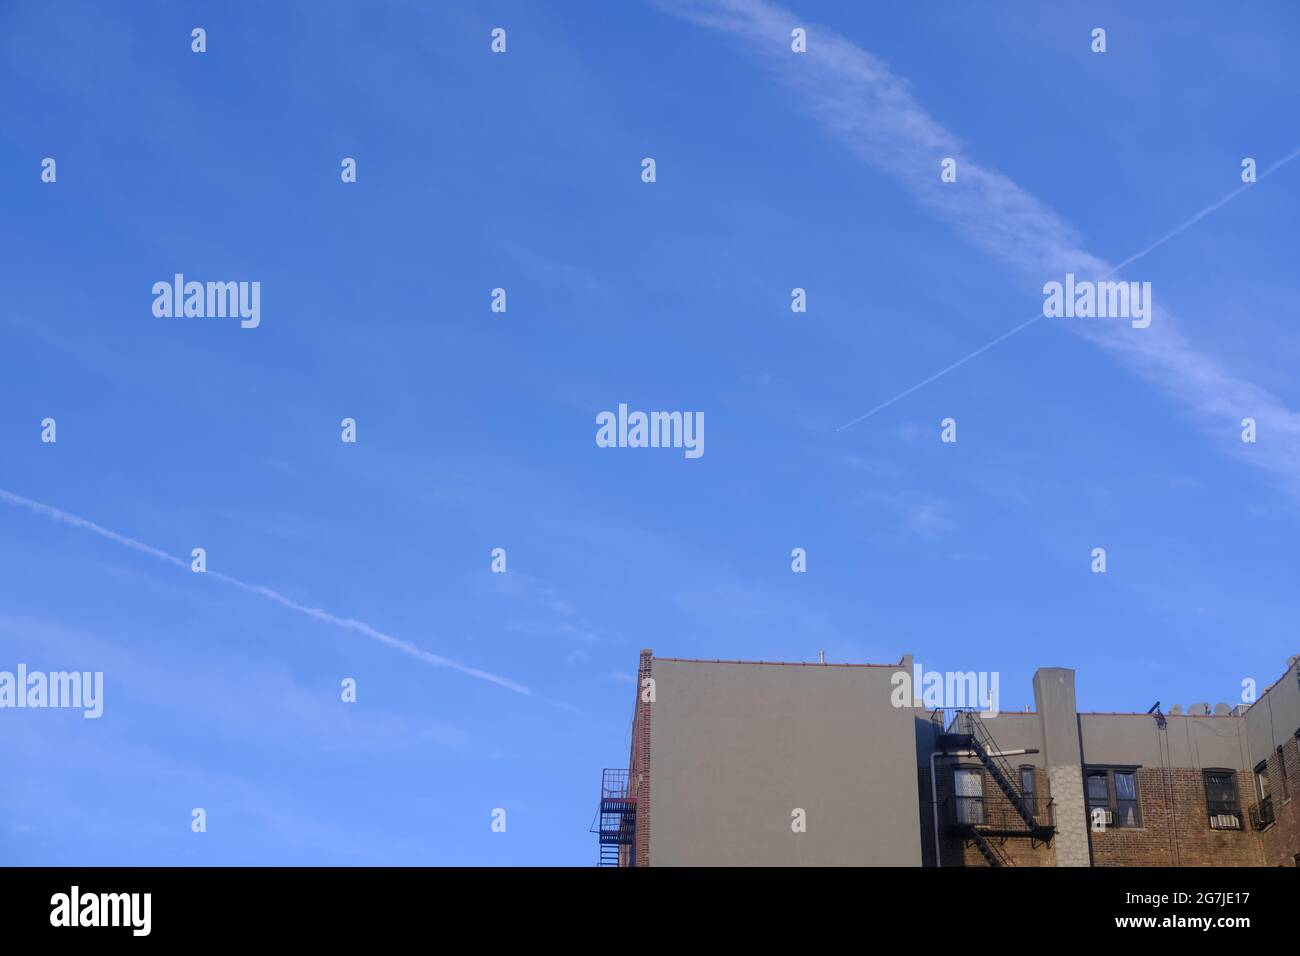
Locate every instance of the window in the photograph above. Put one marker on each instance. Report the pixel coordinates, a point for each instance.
(1281, 774)
(1262, 789)
(1116, 793)
(1261, 815)
(1098, 790)
(1221, 800)
(968, 785)
(1027, 788)
(1126, 798)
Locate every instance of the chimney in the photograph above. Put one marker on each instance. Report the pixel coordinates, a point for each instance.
(1058, 716)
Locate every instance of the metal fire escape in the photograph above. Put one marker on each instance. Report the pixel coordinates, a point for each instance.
(616, 820)
(988, 827)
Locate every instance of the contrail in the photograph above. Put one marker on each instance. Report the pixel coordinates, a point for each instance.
(1210, 208)
(861, 102)
(347, 623)
(1114, 269)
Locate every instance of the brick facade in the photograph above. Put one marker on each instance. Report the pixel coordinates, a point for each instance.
(1168, 754)
(1175, 824)
(639, 775)
(1280, 843)
(1021, 851)
(1175, 827)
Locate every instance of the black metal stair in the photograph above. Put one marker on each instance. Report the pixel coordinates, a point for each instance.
(982, 743)
(992, 855)
(985, 823)
(616, 820)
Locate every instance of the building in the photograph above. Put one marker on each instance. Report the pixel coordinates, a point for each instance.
(751, 763)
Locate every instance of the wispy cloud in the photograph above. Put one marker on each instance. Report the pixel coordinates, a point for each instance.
(347, 623)
(924, 514)
(861, 101)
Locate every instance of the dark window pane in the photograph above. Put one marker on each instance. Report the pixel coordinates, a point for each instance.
(1220, 786)
(1125, 786)
(1027, 779)
(1097, 788)
(1221, 799)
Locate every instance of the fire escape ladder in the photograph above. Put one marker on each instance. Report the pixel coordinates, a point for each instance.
(991, 853)
(1001, 772)
(616, 820)
(970, 726)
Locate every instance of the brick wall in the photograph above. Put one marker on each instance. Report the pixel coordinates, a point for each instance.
(958, 851)
(639, 769)
(1021, 851)
(1280, 843)
(1175, 828)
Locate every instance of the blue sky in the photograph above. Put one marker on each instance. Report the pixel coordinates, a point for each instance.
(476, 430)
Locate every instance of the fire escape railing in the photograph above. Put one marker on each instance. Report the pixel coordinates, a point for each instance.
(985, 822)
(995, 818)
(1261, 814)
(1034, 814)
(616, 820)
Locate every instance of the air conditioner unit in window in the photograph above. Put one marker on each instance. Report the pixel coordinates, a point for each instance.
(1106, 817)
(1226, 821)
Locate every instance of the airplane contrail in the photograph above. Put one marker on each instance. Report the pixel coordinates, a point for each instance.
(347, 623)
(860, 101)
(1114, 269)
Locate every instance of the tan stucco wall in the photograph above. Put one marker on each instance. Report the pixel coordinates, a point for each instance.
(1136, 739)
(1275, 717)
(1018, 731)
(736, 747)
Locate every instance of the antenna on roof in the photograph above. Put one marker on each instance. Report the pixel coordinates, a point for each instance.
(1155, 712)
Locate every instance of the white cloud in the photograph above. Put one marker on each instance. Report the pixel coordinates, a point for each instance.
(861, 101)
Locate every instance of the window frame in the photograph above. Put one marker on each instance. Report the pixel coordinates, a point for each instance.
(1263, 786)
(1027, 773)
(1113, 802)
(1281, 773)
(1027, 770)
(1215, 808)
(959, 813)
